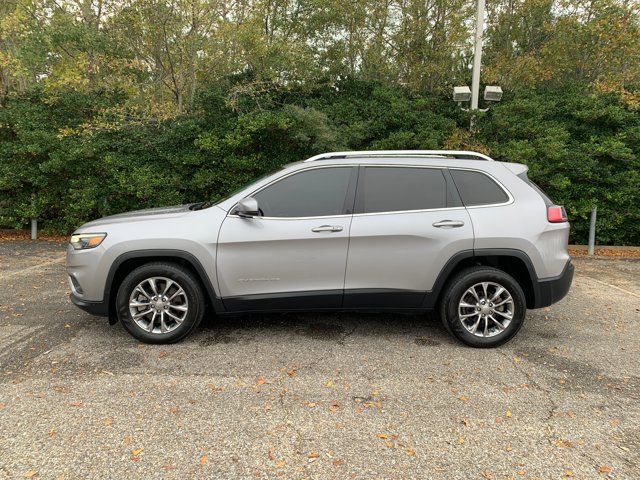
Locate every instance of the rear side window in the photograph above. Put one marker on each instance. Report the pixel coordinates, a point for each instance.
(312, 193)
(476, 188)
(394, 189)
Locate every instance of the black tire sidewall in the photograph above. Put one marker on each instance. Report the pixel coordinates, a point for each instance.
(455, 291)
(184, 279)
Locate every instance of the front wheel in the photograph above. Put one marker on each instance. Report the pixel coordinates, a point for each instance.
(160, 303)
(483, 307)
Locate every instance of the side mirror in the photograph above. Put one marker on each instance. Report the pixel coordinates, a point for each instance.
(247, 208)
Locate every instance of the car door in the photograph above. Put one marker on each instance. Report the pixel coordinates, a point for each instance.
(293, 255)
(408, 222)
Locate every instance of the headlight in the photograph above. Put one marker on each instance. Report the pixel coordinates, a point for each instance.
(83, 241)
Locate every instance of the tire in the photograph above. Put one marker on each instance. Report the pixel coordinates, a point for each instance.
(460, 319)
(178, 316)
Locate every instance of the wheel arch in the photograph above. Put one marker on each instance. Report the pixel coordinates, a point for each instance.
(514, 262)
(128, 261)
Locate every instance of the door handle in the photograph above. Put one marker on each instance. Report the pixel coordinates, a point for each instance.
(449, 224)
(327, 228)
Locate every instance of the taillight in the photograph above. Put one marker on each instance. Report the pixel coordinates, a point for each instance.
(556, 214)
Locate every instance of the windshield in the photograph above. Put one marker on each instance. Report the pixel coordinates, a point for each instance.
(246, 184)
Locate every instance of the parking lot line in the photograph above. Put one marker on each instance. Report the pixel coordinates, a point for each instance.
(32, 268)
(628, 292)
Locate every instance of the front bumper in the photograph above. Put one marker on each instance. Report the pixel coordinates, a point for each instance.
(94, 308)
(552, 290)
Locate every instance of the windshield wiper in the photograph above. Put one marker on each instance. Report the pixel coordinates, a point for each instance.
(200, 205)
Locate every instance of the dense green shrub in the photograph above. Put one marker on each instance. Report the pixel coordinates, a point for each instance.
(75, 157)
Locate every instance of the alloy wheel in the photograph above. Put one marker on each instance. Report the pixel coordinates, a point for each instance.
(158, 305)
(486, 309)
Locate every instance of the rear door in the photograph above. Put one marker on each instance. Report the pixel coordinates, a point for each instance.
(408, 222)
(294, 255)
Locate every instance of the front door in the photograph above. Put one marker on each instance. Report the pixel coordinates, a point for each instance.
(408, 222)
(294, 255)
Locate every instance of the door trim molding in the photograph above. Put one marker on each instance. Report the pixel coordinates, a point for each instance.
(284, 301)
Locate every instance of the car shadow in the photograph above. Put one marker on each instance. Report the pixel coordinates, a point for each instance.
(323, 326)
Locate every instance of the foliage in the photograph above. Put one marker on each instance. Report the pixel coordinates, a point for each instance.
(108, 105)
(162, 52)
(79, 156)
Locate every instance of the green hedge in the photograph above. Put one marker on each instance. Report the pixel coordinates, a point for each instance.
(76, 157)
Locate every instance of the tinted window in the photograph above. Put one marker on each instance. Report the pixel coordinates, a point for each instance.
(392, 189)
(312, 193)
(477, 188)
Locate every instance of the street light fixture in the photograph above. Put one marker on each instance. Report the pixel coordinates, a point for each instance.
(492, 93)
(461, 94)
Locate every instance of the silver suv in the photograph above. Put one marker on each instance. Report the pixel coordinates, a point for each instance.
(384, 230)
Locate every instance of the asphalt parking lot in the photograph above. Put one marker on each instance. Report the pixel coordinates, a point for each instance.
(317, 395)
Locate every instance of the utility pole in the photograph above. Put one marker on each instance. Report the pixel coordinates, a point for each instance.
(477, 61)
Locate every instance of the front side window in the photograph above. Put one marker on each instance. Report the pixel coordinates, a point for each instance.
(395, 189)
(318, 192)
(476, 188)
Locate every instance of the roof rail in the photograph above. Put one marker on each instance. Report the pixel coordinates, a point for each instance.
(458, 154)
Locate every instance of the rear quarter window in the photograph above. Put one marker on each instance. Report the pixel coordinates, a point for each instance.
(476, 188)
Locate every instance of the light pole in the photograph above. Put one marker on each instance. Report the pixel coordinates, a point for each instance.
(492, 93)
(477, 56)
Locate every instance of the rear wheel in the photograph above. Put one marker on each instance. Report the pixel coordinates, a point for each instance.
(483, 307)
(160, 303)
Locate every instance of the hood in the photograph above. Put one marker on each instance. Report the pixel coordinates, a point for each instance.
(142, 215)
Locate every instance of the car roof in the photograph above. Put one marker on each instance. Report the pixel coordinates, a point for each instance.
(430, 161)
(433, 158)
(460, 154)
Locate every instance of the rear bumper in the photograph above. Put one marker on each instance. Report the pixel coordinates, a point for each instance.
(552, 290)
(94, 308)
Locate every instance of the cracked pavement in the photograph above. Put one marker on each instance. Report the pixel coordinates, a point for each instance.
(317, 395)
